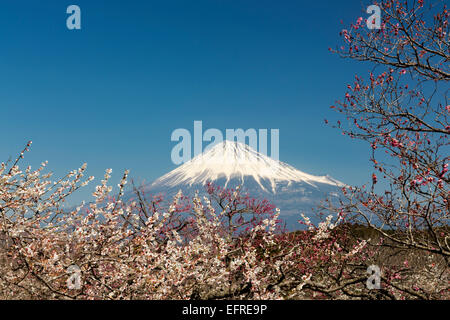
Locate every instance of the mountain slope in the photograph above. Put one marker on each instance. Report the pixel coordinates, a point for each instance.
(230, 164)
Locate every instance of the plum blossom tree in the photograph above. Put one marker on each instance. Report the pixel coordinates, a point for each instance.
(402, 111)
(144, 248)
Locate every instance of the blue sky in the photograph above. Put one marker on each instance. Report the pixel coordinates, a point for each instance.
(111, 93)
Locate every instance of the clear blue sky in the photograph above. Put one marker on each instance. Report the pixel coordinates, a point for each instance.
(112, 93)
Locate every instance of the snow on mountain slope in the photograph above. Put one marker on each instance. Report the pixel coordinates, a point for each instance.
(231, 164)
(236, 161)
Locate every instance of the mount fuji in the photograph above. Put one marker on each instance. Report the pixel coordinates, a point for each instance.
(230, 164)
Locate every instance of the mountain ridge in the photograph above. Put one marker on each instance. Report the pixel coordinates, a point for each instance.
(231, 159)
(231, 164)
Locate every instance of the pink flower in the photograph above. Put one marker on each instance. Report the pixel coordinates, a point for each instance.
(444, 170)
(396, 143)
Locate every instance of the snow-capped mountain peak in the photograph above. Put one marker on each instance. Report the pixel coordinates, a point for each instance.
(234, 160)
